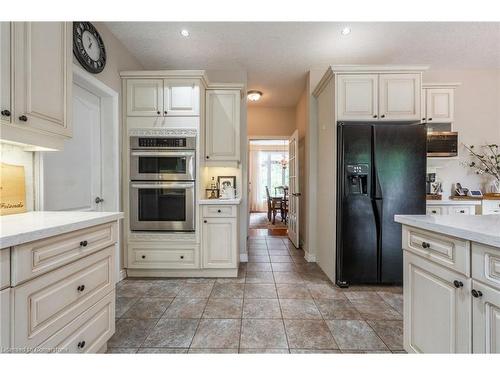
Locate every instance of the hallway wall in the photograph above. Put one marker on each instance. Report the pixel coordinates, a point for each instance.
(271, 121)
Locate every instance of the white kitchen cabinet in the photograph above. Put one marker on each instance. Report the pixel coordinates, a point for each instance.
(4, 319)
(42, 61)
(399, 96)
(222, 129)
(439, 105)
(219, 237)
(357, 97)
(181, 97)
(144, 97)
(486, 318)
(437, 308)
(5, 69)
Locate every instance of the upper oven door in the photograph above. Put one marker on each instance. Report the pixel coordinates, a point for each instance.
(155, 165)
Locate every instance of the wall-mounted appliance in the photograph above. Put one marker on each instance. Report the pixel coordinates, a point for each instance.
(442, 144)
(162, 183)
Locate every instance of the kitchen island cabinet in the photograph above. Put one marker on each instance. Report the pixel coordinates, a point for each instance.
(451, 283)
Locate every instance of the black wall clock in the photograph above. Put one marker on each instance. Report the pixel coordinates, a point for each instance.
(88, 47)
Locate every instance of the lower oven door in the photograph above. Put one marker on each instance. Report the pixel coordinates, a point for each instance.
(162, 206)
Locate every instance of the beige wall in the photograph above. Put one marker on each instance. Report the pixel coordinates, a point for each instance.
(477, 121)
(271, 121)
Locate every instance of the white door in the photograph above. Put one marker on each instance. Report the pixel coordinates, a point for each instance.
(219, 242)
(357, 96)
(71, 179)
(144, 97)
(437, 313)
(486, 319)
(439, 105)
(182, 98)
(293, 188)
(399, 96)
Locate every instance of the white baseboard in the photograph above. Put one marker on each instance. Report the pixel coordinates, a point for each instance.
(122, 274)
(309, 257)
(243, 257)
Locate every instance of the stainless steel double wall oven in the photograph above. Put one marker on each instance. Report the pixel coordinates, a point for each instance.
(162, 183)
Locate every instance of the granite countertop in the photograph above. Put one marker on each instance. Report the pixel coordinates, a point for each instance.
(220, 201)
(31, 226)
(484, 229)
(453, 202)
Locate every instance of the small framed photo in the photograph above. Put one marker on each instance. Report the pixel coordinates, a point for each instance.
(212, 193)
(226, 181)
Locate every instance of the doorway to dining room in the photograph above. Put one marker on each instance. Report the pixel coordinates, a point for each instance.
(268, 185)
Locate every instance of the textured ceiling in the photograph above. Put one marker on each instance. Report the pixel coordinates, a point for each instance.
(277, 55)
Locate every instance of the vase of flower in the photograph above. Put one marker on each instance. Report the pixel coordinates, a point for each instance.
(486, 161)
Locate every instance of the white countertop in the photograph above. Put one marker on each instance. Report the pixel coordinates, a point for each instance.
(484, 229)
(31, 226)
(220, 201)
(453, 202)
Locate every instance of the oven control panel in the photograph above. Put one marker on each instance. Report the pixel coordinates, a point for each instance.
(162, 142)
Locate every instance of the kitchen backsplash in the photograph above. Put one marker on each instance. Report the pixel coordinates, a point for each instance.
(13, 154)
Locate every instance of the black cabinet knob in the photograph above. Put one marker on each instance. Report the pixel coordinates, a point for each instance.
(207, 157)
(433, 211)
(81, 344)
(165, 112)
(158, 112)
(430, 118)
(462, 211)
(423, 119)
(6, 112)
(476, 293)
(23, 118)
(83, 243)
(382, 116)
(219, 211)
(182, 256)
(205, 221)
(375, 116)
(143, 257)
(425, 245)
(458, 284)
(81, 288)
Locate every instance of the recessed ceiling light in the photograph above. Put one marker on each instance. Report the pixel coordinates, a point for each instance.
(185, 32)
(346, 31)
(254, 95)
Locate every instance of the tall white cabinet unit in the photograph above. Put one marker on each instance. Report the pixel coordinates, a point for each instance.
(368, 93)
(36, 66)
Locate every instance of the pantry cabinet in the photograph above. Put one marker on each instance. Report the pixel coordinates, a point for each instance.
(36, 66)
(162, 97)
(379, 97)
(222, 129)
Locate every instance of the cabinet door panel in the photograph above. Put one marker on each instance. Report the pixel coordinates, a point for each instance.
(219, 243)
(5, 86)
(43, 75)
(5, 319)
(223, 125)
(399, 96)
(182, 98)
(486, 319)
(439, 105)
(144, 97)
(436, 314)
(357, 97)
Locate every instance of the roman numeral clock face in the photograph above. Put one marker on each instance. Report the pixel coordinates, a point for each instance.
(88, 47)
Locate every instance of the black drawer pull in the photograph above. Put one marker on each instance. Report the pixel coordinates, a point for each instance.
(205, 221)
(458, 284)
(476, 293)
(81, 288)
(23, 118)
(83, 243)
(425, 245)
(208, 157)
(143, 257)
(182, 256)
(158, 112)
(219, 211)
(6, 113)
(81, 344)
(430, 118)
(383, 116)
(434, 211)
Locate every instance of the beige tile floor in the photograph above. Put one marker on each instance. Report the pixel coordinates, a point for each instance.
(278, 304)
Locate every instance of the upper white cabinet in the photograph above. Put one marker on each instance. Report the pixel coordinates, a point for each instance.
(438, 102)
(162, 97)
(399, 96)
(222, 130)
(357, 96)
(36, 87)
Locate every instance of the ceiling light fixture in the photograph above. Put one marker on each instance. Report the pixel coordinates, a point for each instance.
(254, 95)
(346, 31)
(185, 33)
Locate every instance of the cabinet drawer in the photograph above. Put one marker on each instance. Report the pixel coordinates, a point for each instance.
(149, 256)
(47, 304)
(486, 264)
(491, 207)
(450, 252)
(38, 257)
(461, 210)
(219, 211)
(436, 210)
(88, 332)
(4, 268)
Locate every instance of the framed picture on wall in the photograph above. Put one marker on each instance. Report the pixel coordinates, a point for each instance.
(226, 181)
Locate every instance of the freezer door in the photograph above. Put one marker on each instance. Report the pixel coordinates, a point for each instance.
(356, 229)
(400, 167)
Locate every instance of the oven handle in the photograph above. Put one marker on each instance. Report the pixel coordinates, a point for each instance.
(162, 153)
(167, 185)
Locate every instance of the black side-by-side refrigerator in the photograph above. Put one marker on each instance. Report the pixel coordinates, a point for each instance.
(381, 172)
